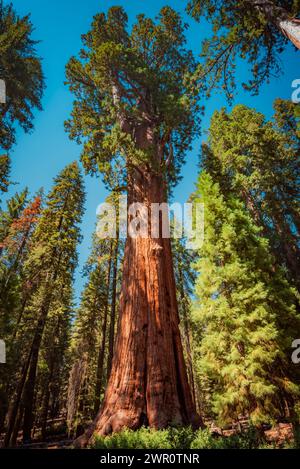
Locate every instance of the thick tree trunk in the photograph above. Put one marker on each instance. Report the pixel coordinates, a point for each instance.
(100, 364)
(280, 18)
(148, 383)
(101, 355)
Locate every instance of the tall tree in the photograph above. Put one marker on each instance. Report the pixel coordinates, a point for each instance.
(258, 160)
(13, 287)
(14, 207)
(20, 68)
(51, 262)
(94, 331)
(247, 312)
(85, 346)
(53, 366)
(185, 277)
(253, 30)
(136, 106)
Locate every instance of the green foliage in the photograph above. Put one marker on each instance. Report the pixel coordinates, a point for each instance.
(125, 82)
(204, 439)
(43, 265)
(14, 207)
(89, 332)
(181, 438)
(242, 30)
(4, 172)
(144, 438)
(246, 312)
(21, 69)
(258, 162)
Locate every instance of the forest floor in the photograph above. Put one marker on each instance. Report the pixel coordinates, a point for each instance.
(278, 435)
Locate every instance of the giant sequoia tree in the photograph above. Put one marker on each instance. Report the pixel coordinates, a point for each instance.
(254, 30)
(135, 106)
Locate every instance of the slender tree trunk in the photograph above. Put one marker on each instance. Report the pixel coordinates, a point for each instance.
(47, 399)
(17, 426)
(187, 340)
(148, 383)
(29, 388)
(13, 411)
(280, 18)
(113, 307)
(100, 364)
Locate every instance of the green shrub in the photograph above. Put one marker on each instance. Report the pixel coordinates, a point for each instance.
(144, 438)
(183, 438)
(205, 440)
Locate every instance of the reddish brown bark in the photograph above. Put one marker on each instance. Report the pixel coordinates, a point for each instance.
(148, 383)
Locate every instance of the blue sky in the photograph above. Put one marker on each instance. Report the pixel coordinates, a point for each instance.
(39, 156)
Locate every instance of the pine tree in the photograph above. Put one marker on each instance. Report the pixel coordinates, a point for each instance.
(53, 364)
(87, 342)
(51, 263)
(255, 31)
(14, 207)
(246, 313)
(19, 227)
(258, 160)
(185, 277)
(137, 108)
(14, 253)
(94, 332)
(20, 68)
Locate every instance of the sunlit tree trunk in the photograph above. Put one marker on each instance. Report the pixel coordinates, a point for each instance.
(148, 383)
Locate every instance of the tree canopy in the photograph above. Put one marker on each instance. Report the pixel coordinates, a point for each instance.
(20, 68)
(252, 30)
(127, 81)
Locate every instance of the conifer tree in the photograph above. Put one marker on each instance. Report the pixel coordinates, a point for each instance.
(94, 332)
(258, 161)
(20, 68)
(13, 289)
(246, 312)
(14, 207)
(136, 107)
(86, 344)
(54, 362)
(51, 263)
